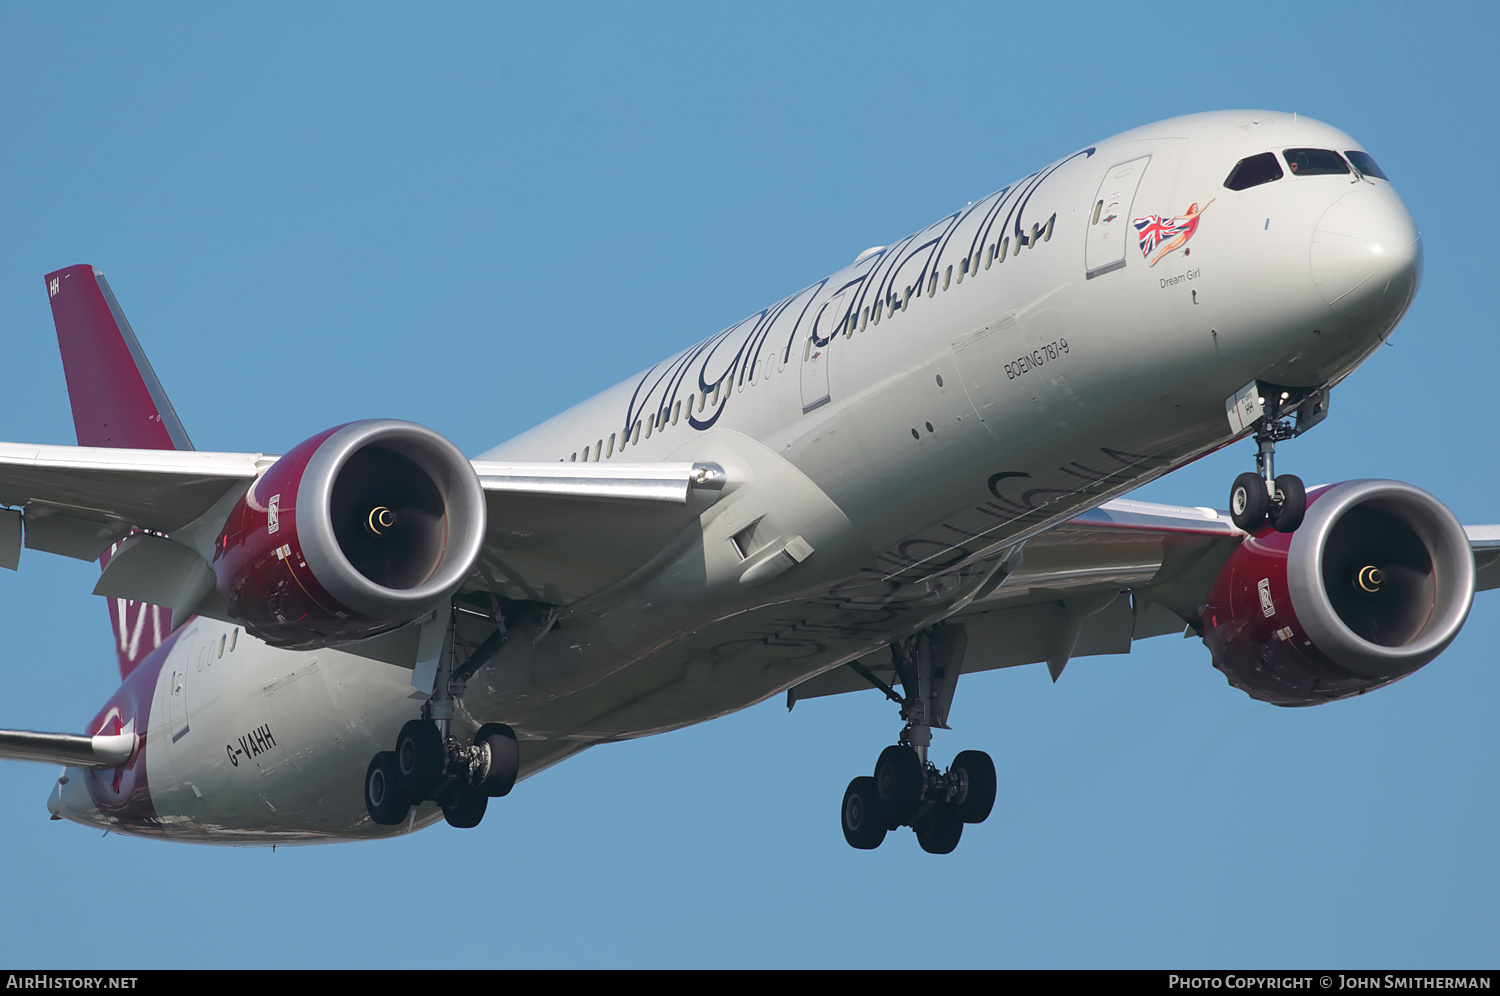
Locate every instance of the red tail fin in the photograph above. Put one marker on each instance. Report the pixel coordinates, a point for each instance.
(117, 401)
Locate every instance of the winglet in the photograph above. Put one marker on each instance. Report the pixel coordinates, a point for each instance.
(116, 398)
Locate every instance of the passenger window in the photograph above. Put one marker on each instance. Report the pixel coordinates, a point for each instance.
(1004, 248)
(234, 637)
(1098, 208)
(864, 318)
(611, 445)
(222, 640)
(1366, 165)
(989, 256)
(574, 457)
(947, 277)
(635, 432)
(1315, 162)
(932, 284)
(598, 451)
(1253, 171)
(677, 409)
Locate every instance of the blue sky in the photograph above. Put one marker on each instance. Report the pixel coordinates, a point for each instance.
(473, 216)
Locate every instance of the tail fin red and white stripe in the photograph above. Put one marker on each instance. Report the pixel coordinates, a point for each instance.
(117, 401)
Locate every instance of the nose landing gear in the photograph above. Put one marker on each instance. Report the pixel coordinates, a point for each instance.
(907, 789)
(1262, 496)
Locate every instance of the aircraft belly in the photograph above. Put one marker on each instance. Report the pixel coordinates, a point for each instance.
(722, 667)
(277, 743)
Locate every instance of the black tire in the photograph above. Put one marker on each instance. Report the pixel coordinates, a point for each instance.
(384, 800)
(1288, 513)
(898, 784)
(464, 807)
(864, 827)
(1248, 502)
(419, 759)
(938, 832)
(505, 759)
(978, 777)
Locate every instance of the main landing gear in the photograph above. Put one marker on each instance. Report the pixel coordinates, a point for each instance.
(1262, 496)
(907, 789)
(462, 778)
(430, 762)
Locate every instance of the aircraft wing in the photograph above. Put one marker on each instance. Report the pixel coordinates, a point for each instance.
(1126, 571)
(559, 531)
(556, 531)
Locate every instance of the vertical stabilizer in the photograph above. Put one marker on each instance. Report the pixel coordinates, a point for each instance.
(117, 401)
(116, 398)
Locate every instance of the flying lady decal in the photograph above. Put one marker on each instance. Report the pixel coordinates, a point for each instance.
(1166, 235)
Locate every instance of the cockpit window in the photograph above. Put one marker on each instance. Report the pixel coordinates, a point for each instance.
(1366, 165)
(1254, 171)
(1315, 162)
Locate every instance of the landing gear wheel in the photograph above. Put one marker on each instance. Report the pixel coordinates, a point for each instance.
(1291, 503)
(504, 762)
(863, 826)
(384, 800)
(1248, 501)
(938, 832)
(898, 784)
(977, 775)
(419, 758)
(464, 807)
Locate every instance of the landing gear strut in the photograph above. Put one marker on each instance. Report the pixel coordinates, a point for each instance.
(1262, 496)
(907, 789)
(430, 761)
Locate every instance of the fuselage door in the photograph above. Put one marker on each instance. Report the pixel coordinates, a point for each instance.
(1110, 230)
(177, 694)
(815, 354)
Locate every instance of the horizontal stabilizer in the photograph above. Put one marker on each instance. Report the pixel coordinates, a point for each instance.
(68, 749)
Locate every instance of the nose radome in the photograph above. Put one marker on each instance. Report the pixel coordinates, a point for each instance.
(1367, 255)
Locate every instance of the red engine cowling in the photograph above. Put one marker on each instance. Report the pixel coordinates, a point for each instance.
(357, 531)
(1376, 582)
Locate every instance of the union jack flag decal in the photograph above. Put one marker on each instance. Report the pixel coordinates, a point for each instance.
(1169, 234)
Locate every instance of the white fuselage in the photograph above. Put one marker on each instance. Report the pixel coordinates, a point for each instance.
(909, 419)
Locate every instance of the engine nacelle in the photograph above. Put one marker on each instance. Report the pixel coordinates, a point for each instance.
(357, 531)
(1376, 582)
